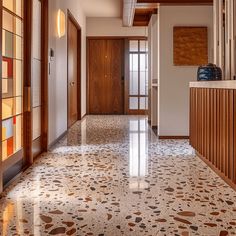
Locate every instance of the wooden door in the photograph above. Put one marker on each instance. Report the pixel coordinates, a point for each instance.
(115, 78)
(97, 76)
(105, 72)
(72, 73)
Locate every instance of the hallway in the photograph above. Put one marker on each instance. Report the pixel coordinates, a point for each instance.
(111, 176)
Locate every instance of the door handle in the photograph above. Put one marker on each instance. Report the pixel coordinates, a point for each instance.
(72, 83)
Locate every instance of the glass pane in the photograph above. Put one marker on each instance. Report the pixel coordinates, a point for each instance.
(7, 22)
(37, 29)
(7, 44)
(133, 45)
(36, 82)
(143, 46)
(142, 85)
(142, 103)
(18, 133)
(12, 71)
(36, 122)
(7, 108)
(18, 7)
(18, 105)
(133, 86)
(143, 62)
(7, 68)
(18, 26)
(11, 107)
(8, 4)
(11, 136)
(18, 47)
(7, 129)
(133, 62)
(18, 77)
(133, 103)
(7, 88)
(4, 150)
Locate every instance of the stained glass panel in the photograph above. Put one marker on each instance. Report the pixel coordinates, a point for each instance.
(12, 79)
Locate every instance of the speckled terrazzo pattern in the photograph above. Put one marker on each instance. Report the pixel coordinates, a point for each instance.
(111, 176)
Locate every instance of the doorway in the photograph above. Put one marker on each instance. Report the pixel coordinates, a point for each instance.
(74, 70)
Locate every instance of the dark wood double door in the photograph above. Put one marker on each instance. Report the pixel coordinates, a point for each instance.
(106, 76)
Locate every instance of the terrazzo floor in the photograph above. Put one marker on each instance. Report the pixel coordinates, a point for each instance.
(111, 176)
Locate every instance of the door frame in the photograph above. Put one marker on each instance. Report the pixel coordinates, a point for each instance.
(125, 38)
(41, 146)
(127, 79)
(71, 18)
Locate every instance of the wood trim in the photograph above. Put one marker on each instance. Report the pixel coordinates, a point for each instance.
(79, 31)
(27, 116)
(37, 147)
(217, 171)
(118, 37)
(9, 162)
(126, 72)
(87, 76)
(57, 140)
(44, 75)
(173, 137)
(1, 169)
(137, 112)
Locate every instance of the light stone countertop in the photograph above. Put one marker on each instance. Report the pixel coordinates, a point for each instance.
(224, 84)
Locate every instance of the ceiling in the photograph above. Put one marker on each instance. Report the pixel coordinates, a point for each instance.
(145, 8)
(102, 8)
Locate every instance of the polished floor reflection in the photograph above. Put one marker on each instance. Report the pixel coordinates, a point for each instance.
(111, 176)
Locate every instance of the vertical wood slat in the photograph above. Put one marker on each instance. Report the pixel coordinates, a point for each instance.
(231, 135)
(213, 129)
(234, 139)
(217, 128)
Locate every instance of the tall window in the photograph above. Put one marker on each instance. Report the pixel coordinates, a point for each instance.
(138, 76)
(12, 77)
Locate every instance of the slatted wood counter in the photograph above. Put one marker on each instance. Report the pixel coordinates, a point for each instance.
(213, 126)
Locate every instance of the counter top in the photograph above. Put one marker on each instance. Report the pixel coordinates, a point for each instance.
(224, 84)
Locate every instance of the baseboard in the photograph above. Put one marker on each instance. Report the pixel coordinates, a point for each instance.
(218, 172)
(57, 140)
(173, 137)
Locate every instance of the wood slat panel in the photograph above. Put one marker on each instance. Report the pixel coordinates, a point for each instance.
(213, 129)
(234, 127)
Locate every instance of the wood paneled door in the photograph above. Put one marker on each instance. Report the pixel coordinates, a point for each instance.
(74, 65)
(105, 76)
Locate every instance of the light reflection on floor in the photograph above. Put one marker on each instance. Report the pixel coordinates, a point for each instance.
(111, 176)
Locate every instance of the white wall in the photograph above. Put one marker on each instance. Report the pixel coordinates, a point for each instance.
(174, 81)
(58, 68)
(152, 68)
(107, 26)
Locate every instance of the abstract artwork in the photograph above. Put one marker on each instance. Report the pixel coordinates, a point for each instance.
(190, 46)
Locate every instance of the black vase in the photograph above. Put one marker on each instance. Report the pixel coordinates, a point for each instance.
(209, 72)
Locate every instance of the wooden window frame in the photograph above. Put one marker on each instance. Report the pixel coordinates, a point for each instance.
(27, 98)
